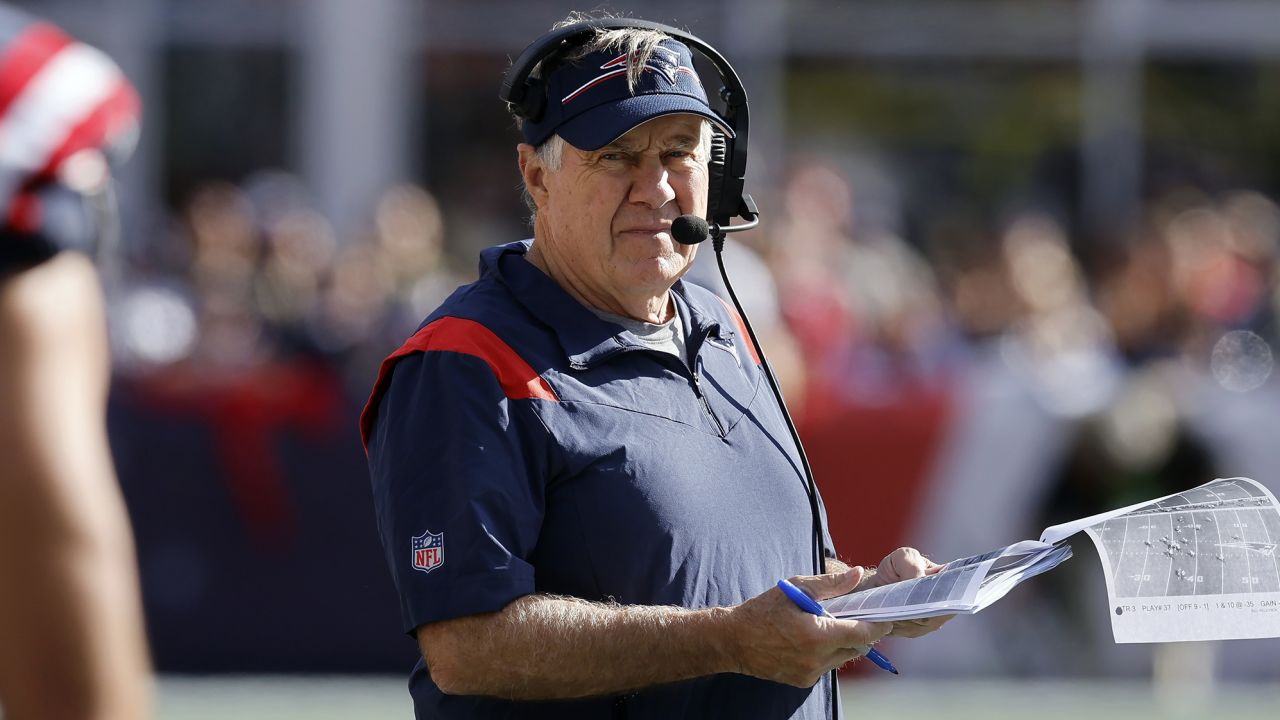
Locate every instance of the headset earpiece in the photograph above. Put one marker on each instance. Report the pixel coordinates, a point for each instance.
(716, 172)
(535, 100)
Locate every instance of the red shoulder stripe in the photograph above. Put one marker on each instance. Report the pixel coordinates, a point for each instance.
(518, 379)
(742, 329)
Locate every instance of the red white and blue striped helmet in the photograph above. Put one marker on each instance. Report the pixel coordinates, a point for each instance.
(58, 99)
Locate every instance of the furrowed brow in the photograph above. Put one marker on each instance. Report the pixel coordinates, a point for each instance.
(619, 146)
(683, 142)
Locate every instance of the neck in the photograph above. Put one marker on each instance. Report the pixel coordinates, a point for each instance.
(649, 307)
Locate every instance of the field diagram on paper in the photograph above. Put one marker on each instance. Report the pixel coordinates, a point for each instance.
(1212, 540)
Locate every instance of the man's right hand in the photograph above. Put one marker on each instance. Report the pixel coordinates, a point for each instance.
(778, 641)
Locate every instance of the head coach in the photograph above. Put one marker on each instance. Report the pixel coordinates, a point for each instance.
(584, 487)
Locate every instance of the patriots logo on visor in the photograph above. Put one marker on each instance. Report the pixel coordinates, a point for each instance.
(664, 61)
(667, 63)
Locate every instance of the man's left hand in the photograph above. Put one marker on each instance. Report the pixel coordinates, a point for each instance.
(906, 563)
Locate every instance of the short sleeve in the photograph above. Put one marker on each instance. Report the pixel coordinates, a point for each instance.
(458, 476)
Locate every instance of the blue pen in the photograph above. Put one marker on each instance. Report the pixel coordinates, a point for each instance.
(809, 605)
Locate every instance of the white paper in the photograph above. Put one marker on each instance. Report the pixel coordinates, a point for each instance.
(1203, 564)
(1196, 565)
(962, 586)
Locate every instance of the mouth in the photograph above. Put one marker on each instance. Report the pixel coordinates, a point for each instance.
(648, 230)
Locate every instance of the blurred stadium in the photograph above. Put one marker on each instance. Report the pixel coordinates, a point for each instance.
(1018, 264)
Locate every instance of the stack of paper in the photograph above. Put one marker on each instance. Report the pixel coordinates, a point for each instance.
(962, 586)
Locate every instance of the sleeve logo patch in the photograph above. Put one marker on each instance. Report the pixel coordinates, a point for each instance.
(428, 551)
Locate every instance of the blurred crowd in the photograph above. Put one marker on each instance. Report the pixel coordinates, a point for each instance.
(957, 391)
(253, 274)
(246, 340)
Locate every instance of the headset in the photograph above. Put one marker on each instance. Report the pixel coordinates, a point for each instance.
(726, 169)
(526, 97)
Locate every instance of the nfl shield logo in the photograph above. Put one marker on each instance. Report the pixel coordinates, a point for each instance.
(428, 551)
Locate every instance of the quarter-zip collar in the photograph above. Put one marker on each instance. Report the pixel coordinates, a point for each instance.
(586, 339)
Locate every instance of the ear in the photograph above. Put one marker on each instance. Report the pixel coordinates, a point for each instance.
(533, 173)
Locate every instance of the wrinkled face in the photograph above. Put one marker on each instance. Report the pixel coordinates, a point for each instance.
(608, 212)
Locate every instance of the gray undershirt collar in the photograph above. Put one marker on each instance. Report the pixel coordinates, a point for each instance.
(667, 337)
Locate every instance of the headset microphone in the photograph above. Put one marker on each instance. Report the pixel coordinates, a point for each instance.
(691, 230)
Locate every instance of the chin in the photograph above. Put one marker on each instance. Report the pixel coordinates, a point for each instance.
(662, 270)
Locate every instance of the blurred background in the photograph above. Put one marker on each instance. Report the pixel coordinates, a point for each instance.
(1018, 264)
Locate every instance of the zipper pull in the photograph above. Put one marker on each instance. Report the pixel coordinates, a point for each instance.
(706, 403)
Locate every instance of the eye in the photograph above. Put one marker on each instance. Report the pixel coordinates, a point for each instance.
(683, 157)
(614, 156)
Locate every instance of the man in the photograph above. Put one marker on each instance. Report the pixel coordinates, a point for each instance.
(72, 645)
(585, 490)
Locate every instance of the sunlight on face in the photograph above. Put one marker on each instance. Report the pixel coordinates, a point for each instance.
(607, 213)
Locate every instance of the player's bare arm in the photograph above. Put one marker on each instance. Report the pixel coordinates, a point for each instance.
(542, 647)
(73, 644)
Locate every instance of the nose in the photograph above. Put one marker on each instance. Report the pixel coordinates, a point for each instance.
(651, 184)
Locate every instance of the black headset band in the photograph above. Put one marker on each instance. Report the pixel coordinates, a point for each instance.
(517, 84)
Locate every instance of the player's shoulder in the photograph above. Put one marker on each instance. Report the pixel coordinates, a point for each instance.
(481, 337)
(453, 357)
(56, 304)
(482, 315)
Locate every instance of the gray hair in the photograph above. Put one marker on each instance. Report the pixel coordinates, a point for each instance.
(550, 154)
(638, 44)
